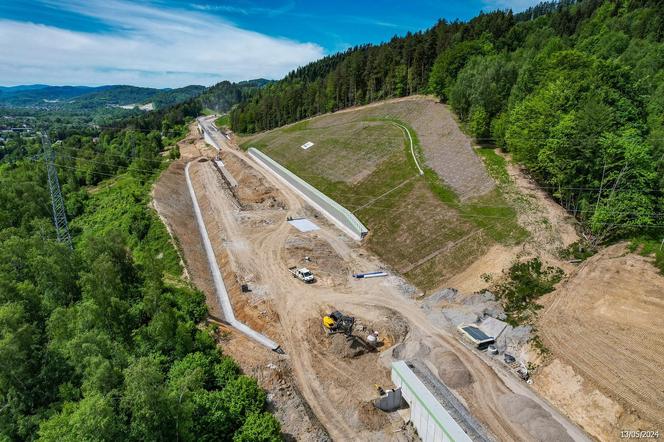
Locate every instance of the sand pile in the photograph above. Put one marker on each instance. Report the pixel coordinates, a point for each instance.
(536, 421)
(348, 347)
(450, 368)
(371, 417)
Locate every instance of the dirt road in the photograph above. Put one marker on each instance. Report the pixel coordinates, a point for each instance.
(251, 229)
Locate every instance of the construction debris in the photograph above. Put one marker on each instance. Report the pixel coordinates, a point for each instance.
(302, 224)
(370, 275)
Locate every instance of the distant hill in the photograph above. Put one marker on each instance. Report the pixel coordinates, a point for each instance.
(224, 95)
(23, 87)
(169, 97)
(220, 98)
(34, 95)
(74, 98)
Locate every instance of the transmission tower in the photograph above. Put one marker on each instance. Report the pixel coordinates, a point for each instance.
(57, 202)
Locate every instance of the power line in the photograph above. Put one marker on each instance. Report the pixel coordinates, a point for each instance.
(57, 202)
(104, 153)
(106, 164)
(472, 206)
(95, 172)
(589, 189)
(460, 214)
(540, 138)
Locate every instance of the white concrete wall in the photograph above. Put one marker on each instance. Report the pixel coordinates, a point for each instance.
(432, 422)
(334, 211)
(220, 287)
(209, 140)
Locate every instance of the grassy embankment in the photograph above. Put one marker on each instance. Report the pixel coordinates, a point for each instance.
(417, 224)
(223, 121)
(122, 204)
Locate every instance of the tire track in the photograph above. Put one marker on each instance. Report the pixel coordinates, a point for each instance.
(296, 304)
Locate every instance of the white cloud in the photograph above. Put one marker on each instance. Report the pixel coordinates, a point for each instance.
(247, 10)
(149, 46)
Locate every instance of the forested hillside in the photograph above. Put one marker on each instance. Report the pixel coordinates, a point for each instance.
(105, 342)
(574, 90)
(224, 95)
(73, 98)
(77, 108)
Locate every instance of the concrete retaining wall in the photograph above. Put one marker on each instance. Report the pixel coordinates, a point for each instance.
(227, 176)
(390, 401)
(338, 214)
(209, 139)
(219, 285)
(431, 420)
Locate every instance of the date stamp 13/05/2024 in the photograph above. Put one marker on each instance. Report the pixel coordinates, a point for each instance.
(639, 434)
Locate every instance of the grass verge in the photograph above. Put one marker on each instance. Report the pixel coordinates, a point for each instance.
(651, 247)
(223, 121)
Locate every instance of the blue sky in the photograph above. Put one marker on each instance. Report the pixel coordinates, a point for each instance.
(170, 43)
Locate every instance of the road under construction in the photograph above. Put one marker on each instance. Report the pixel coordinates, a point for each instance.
(255, 246)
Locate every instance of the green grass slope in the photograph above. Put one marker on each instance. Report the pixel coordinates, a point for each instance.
(417, 224)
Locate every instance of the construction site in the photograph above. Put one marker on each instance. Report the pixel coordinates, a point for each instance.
(357, 298)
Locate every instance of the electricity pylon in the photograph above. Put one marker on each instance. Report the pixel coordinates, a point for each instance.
(57, 202)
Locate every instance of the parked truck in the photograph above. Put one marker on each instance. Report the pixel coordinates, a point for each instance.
(303, 274)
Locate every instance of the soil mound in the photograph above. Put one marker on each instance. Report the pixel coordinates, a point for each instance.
(537, 421)
(371, 417)
(450, 369)
(348, 347)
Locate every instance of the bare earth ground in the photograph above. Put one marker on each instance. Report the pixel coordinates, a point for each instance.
(335, 376)
(173, 203)
(603, 324)
(550, 229)
(170, 199)
(604, 327)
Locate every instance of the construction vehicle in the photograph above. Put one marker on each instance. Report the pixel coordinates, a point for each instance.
(303, 274)
(523, 373)
(337, 322)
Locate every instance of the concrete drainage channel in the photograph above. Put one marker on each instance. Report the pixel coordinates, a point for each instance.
(219, 286)
(406, 131)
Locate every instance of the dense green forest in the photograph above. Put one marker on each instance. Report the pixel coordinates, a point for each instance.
(574, 90)
(105, 342)
(224, 95)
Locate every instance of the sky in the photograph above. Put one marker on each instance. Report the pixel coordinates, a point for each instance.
(174, 43)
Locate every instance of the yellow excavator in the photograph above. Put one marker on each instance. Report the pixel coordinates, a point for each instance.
(337, 322)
